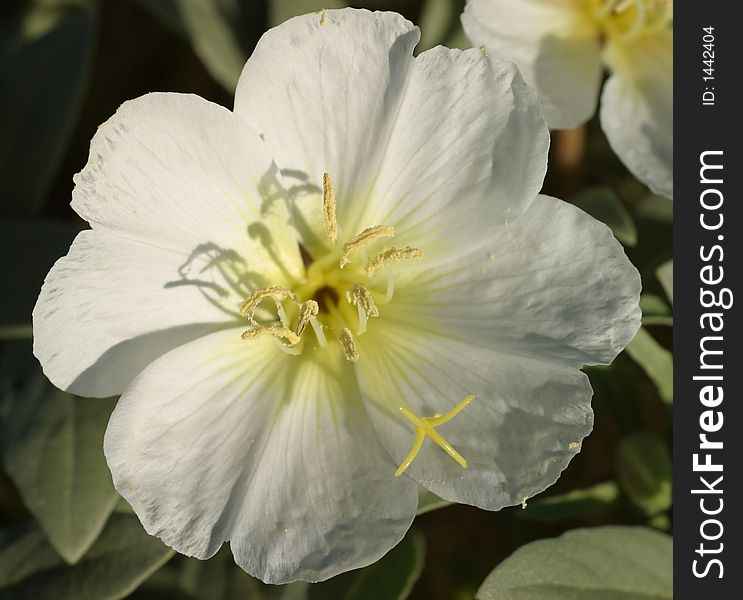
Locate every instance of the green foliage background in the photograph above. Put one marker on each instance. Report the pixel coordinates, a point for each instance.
(65, 66)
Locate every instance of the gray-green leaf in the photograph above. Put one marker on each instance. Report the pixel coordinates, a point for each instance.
(45, 60)
(222, 32)
(610, 563)
(392, 577)
(281, 10)
(644, 472)
(665, 276)
(52, 446)
(603, 204)
(428, 501)
(655, 360)
(655, 311)
(115, 565)
(34, 244)
(599, 499)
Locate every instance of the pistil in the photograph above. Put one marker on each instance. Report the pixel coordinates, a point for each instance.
(426, 427)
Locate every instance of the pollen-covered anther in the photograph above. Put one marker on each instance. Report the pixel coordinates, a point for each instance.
(391, 255)
(359, 295)
(328, 208)
(348, 343)
(426, 427)
(276, 292)
(307, 310)
(362, 299)
(272, 330)
(367, 236)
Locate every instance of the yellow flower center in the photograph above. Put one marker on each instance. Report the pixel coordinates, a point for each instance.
(627, 19)
(340, 292)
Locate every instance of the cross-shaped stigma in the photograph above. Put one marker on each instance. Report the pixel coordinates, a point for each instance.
(426, 426)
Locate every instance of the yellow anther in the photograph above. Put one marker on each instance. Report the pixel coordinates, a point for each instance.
(360, 297)
(328, 207)
(425, 427)
(277, 292)
(323, 18)
(307, 310)
(348, 344)
(391, 255)
(358, 294)
(523, 503)
(274, 330)
(573, 445)
(365, 237)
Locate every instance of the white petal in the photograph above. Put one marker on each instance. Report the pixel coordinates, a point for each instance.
(176, 171)
(112, 305)
(188, 218)
(468, 151)
(525, 424)
(554, 283)
(341, 93)
(511, 323)
(637, 108)
(324, 90)
(225, 439)
(555, 44)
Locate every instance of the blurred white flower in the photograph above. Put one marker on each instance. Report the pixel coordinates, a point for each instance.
(561, 46)
(285, 335)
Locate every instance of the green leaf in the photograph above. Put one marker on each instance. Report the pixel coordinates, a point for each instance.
(52, 446)
(439, 21)
(223, 33)
(644, 471)
(656, 208)
(219, 578)
(45, 60)
(655, 311)
(37, 244)
(24, 550)
(597, 500)
(665, 276)
(115, 565)
(607, 563)
(603, 204)
(655, 360)
(392, 577)
(428, 501)
(281, 10)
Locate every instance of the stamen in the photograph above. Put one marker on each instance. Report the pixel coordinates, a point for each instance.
(358, 294)
(293, 350)
(360, 297)
(274, 330)
(361, 329)
(365, 237)
(328, 207)
(389, 256)
(390, 287)
(307, 310)
(277, 292)
(348, 344)
(426, 427)
(317, 328)
(282, 313)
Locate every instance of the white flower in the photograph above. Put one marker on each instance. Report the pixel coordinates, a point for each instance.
(285, 334)
(560, 45)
